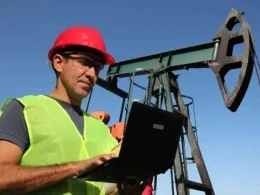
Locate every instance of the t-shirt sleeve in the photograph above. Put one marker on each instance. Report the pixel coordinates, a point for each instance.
(12, 125)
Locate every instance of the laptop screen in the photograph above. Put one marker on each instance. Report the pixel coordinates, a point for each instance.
(151, 138)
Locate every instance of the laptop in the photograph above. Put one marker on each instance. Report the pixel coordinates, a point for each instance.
(148, 148)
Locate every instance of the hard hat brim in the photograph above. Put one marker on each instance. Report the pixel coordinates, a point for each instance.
(108, 58)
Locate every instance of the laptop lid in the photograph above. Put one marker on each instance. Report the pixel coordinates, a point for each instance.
(150, 140)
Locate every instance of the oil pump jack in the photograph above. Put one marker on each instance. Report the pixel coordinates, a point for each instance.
(163, 86)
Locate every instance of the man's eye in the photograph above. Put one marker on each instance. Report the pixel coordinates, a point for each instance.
(83, 62)
(89, 63)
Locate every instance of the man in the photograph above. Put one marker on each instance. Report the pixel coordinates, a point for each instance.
(47, 140)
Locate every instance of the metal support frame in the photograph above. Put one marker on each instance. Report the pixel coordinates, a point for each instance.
(217, 56)
(167, 81)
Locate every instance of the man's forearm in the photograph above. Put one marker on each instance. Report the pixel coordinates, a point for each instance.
(14, 178)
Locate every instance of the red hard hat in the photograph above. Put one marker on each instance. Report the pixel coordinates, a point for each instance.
(82, 36)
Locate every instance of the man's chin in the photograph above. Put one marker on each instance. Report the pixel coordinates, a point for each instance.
(83, 93)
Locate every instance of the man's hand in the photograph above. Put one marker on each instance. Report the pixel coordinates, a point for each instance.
(83, 166)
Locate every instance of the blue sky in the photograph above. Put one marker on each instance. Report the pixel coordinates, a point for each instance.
(136, 28)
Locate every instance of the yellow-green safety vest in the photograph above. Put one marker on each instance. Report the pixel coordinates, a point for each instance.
(54, 139)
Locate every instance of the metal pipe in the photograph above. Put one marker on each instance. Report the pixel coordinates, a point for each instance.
(216, 48)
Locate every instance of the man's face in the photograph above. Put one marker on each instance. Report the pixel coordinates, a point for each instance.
(78, 73)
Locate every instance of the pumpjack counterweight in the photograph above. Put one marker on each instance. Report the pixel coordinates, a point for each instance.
(217, 56)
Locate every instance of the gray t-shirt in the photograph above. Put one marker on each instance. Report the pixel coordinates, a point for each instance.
(13, 127)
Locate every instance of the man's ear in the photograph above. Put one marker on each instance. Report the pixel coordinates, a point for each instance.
(58, 63)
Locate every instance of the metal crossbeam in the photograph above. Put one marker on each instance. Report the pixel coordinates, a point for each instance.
(190, 57)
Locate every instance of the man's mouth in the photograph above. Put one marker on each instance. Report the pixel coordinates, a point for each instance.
(86, 83)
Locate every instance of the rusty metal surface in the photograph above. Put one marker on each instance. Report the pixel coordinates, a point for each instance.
(225, 61)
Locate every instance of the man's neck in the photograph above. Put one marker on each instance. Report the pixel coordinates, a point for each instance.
(63, 96)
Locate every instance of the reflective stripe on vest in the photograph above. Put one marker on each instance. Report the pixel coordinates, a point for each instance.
(54, 139)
